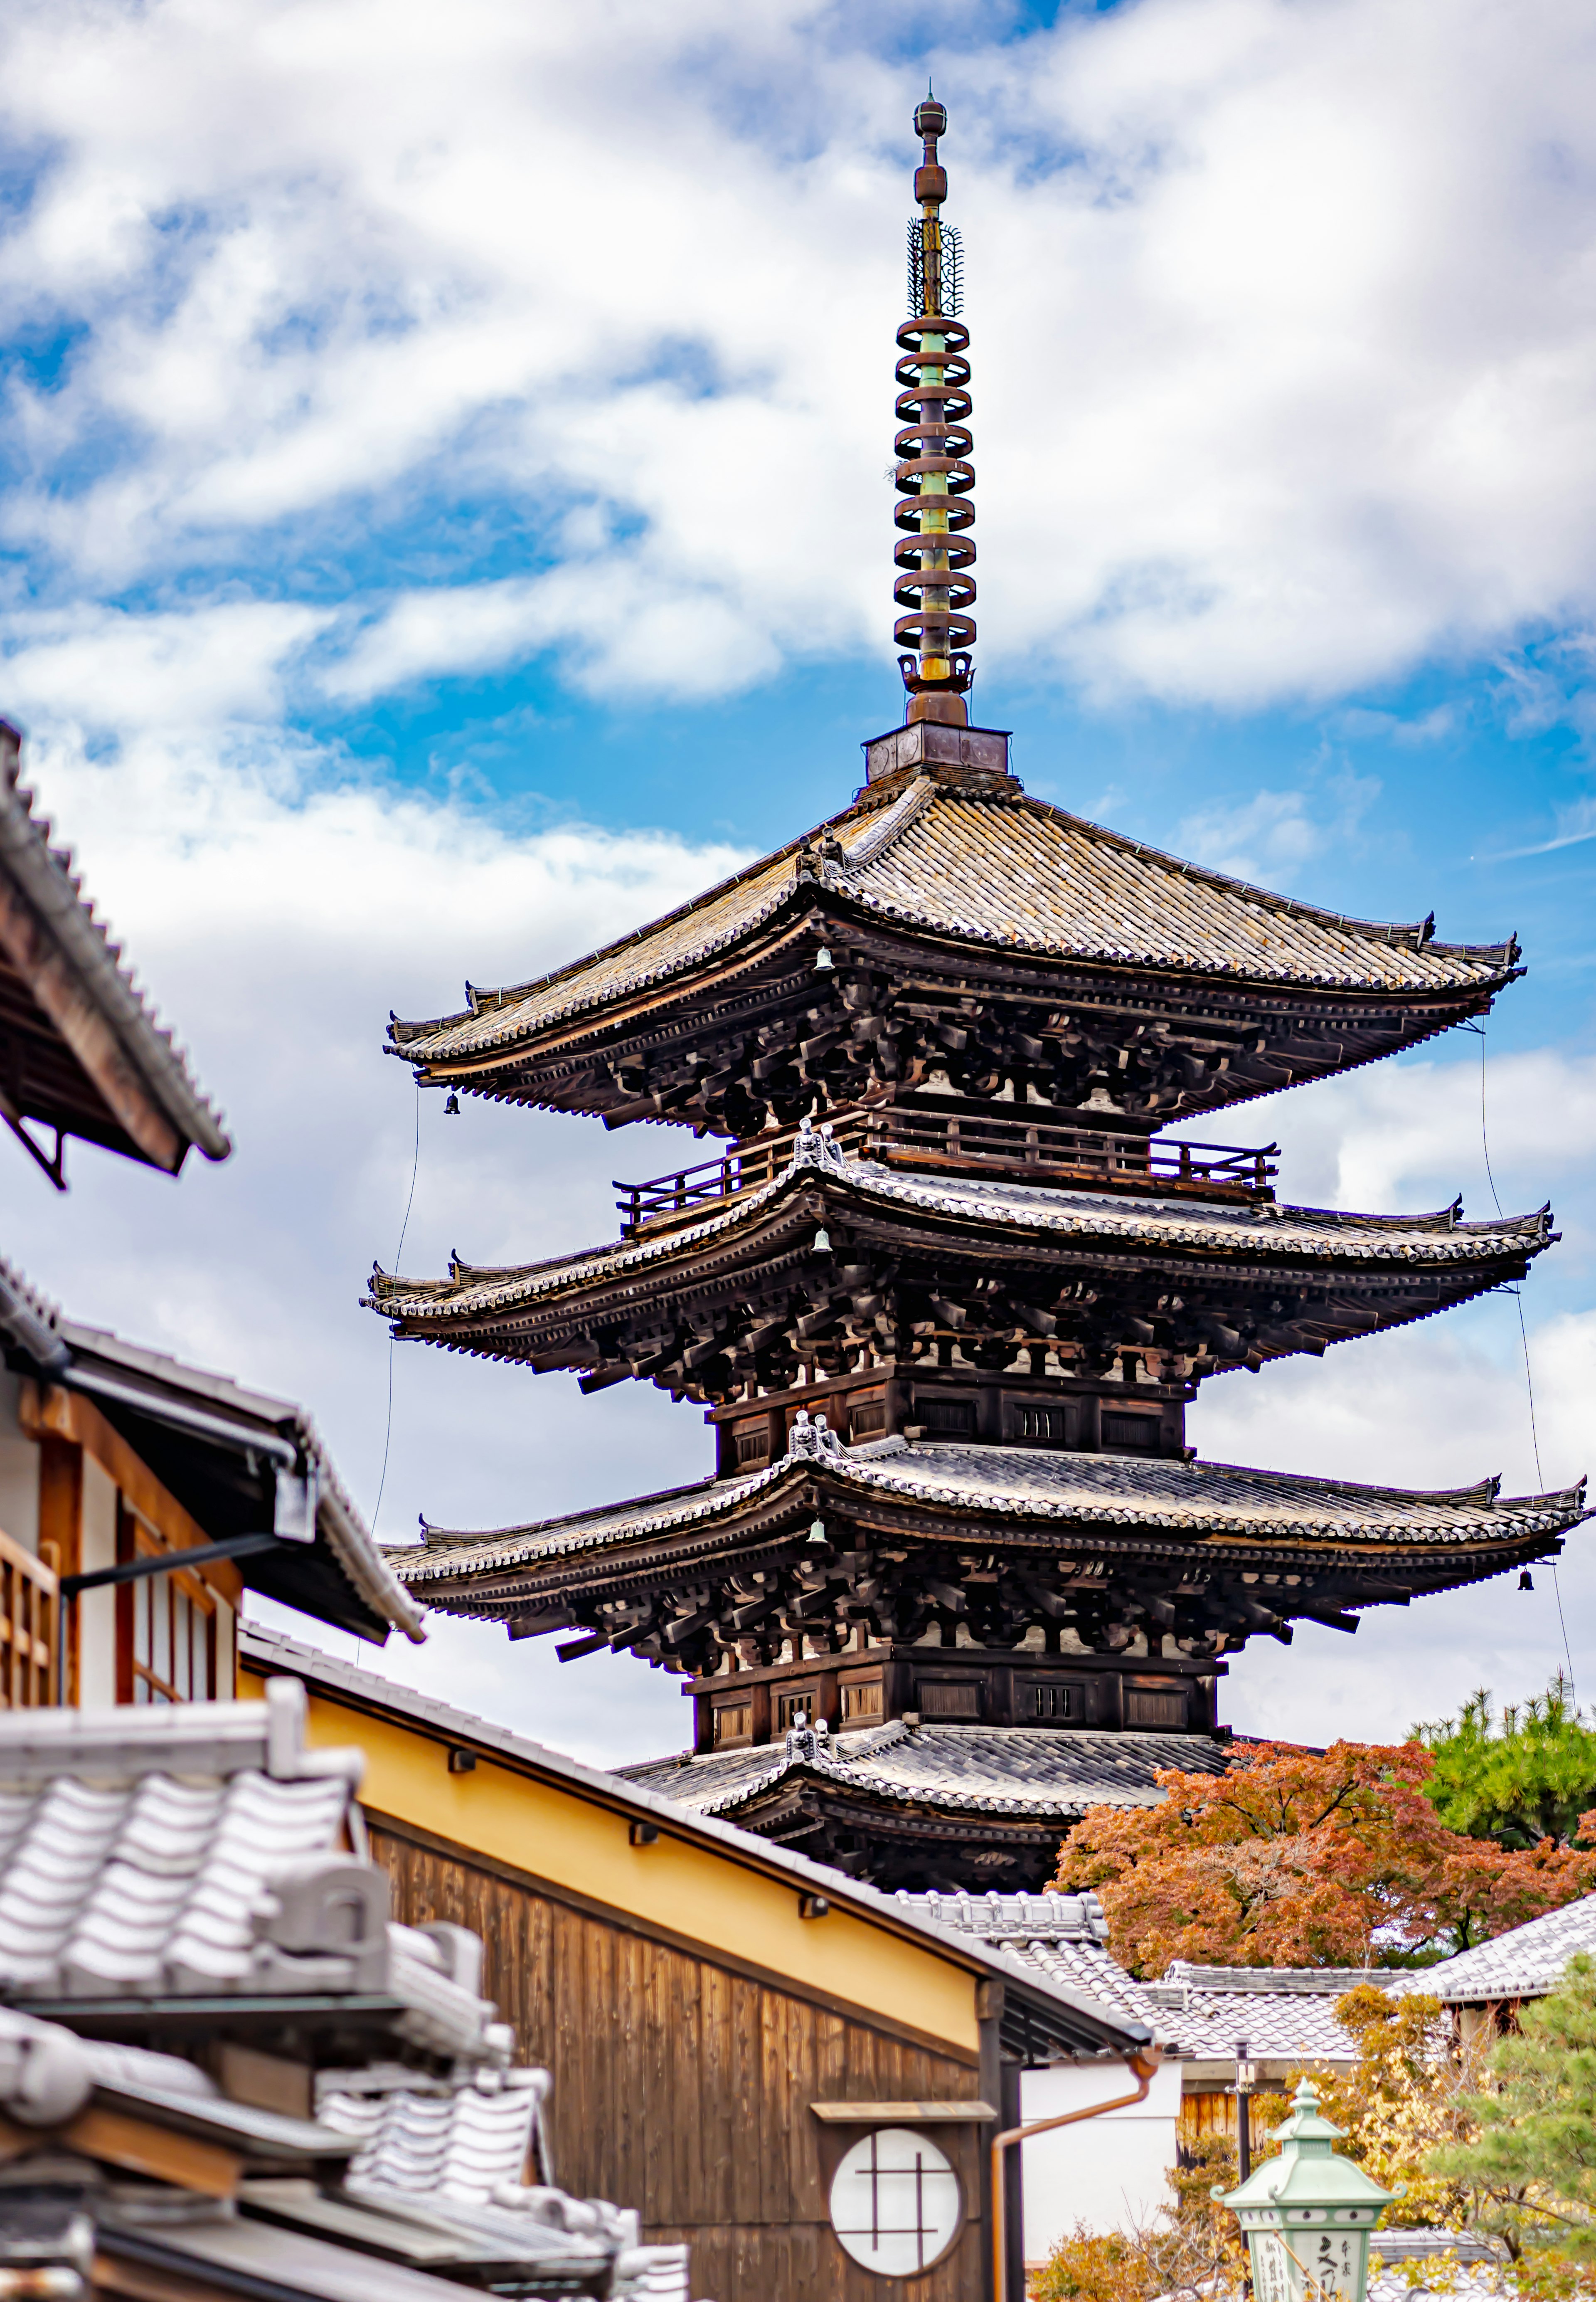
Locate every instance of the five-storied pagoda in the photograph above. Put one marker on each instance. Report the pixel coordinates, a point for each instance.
(948, 1289)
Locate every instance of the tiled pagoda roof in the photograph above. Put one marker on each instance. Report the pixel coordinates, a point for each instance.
(1256, 1233)
(996, 869)
(1046, 1772)
(663, 1305)
(1020, 1488)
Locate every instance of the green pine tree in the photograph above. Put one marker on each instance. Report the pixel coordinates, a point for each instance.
(1534, 2151)
(1527, 1777)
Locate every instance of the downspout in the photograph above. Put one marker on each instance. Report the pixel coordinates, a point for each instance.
(1142, 2064)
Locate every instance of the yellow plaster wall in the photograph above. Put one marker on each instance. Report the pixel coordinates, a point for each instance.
(551, 1831)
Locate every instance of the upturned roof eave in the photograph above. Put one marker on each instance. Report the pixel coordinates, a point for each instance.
(1488, 967)
(1128, 1222)
(442, 1567)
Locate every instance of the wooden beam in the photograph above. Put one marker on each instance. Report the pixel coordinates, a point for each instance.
(83, 1027)
(137, 2144)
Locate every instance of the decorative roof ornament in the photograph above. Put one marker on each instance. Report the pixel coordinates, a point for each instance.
(934, 474)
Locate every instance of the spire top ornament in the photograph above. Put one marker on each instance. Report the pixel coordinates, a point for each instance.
(934, 475)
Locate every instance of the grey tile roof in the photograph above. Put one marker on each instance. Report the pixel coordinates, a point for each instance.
(1269, 1233)
(212, 1408)
(196, 1850)
(1030, 1485)
(52, 938)
(1011, 873)
(1199, 2014)
(1525, 1962)
(1044, 1771)
(465, 2141)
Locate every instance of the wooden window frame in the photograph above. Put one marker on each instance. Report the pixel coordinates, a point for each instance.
(137, 1679)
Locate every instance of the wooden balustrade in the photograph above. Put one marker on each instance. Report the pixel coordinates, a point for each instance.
(1019, 1144)
(29, 1596)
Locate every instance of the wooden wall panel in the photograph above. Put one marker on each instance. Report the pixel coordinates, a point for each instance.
(684, 2088)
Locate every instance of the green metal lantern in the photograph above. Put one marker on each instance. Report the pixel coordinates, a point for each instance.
(1308, 2213)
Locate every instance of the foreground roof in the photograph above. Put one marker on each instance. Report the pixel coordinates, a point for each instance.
(1526, 1962)
(1210, 1285)
(192, 1876)
(968, 864)
(88, 1057)
(186, 1824)
(239, 1460)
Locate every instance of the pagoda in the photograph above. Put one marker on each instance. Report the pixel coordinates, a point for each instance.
(947, 1285)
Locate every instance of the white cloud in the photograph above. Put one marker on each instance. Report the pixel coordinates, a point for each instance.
(1283, 352)
(1438, 1407)
(1407, 1135)
(104, 669)
(277, 915)
(1267, 838)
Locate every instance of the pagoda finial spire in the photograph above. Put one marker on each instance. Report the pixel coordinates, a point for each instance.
(934, 475)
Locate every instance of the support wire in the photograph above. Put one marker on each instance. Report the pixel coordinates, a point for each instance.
(1523, 1336)
(397, 1252)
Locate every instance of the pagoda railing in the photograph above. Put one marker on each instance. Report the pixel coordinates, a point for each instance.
(1018, 1145)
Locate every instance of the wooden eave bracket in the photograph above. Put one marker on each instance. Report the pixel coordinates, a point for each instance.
(53, 1166)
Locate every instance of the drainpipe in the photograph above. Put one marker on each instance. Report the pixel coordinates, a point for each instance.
(1142, 2064)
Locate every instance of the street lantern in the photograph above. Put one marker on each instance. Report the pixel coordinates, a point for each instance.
(1308, 2215)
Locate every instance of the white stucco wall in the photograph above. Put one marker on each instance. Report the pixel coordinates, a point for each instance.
(96, 1610)
(19, 1471)
(1109, 2173)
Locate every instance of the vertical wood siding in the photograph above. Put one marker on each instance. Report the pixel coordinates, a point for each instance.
(684, 2089)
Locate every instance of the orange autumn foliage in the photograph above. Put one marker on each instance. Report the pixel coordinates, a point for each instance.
(1296, 1858)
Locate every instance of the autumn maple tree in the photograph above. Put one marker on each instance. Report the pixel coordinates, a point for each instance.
(1299, 1858)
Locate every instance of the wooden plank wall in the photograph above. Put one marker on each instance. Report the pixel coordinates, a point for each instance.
(682, 2087)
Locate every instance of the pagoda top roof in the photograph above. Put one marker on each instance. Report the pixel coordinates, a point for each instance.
(1261, 1229)
(1045, 1771)
(977, 861)
(1032, 1487)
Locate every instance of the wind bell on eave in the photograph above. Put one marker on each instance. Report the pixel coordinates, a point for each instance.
(934, 474)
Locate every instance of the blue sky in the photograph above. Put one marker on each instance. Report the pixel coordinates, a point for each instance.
(443, 522)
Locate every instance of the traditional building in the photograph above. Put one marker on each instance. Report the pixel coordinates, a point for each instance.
(226, 2074)
(946, 1289)
(80, 1051)
(139, 1500)
(728, 2027)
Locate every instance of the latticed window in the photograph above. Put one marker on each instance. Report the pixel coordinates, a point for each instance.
(166, 1624)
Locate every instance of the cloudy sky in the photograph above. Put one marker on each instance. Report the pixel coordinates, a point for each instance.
(443, 522)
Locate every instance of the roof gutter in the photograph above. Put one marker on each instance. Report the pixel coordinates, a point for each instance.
(194, 1420)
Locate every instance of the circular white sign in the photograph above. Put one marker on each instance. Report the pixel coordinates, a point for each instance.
(894, 2202)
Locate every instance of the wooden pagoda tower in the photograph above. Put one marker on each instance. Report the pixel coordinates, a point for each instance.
(948, 1286)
